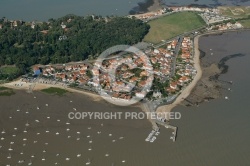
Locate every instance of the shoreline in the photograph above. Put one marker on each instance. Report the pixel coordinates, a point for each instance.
(39, 87)
(187, 91)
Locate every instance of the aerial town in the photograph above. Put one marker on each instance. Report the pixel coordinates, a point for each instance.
(132, 72)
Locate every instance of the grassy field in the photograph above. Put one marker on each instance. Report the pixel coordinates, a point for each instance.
(245, 23)
(173, 25)
(55, 91)
(235, 11)
(9, 70)
(6, 91)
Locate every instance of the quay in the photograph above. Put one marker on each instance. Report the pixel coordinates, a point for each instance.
(155, 124)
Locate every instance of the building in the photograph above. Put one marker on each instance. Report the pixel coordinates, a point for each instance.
(37, 71)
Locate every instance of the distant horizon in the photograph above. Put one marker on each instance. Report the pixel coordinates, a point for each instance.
(44, 10)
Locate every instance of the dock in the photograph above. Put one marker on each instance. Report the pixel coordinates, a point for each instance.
(168, 126)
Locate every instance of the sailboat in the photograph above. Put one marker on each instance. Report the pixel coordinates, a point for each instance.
(30, 163)
(10, 149)
(9, 157)
(3, 132)
(87, 163)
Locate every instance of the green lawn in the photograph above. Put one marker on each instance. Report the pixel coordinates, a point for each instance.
(6, 91)
(245, 23)
(9, 70)
(173, 25)
(55, 91)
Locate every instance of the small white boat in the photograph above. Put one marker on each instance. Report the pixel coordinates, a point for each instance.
(3, 132)
(10, 149)
(9, 157)
(87, 163)
(30, 163)
(78, 155)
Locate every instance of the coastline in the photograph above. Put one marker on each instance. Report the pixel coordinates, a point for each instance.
(187, 91)
(39, 86)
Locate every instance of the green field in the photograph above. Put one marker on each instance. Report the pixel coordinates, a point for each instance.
(173, 25)
(235, 11)
(6, 91)
(245, 23)
(8, 72)
(55, 91)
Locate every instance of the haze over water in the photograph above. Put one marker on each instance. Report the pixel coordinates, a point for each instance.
(43, 10)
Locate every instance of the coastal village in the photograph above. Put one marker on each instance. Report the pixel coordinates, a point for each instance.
(172, 63)
(131, 70)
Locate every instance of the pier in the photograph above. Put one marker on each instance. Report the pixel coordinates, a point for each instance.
(168, 126)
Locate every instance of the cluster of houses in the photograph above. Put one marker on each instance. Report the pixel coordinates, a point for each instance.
(149, 14)
(185, 70)
(212, 17)
(127, 76)
(194, 9)
(119, 76)
(226, 26)
(67, 73)
(161, 59)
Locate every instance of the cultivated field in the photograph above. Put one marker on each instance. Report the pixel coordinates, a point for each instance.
(173, 25)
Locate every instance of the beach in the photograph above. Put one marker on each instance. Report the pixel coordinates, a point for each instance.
(40, 86)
